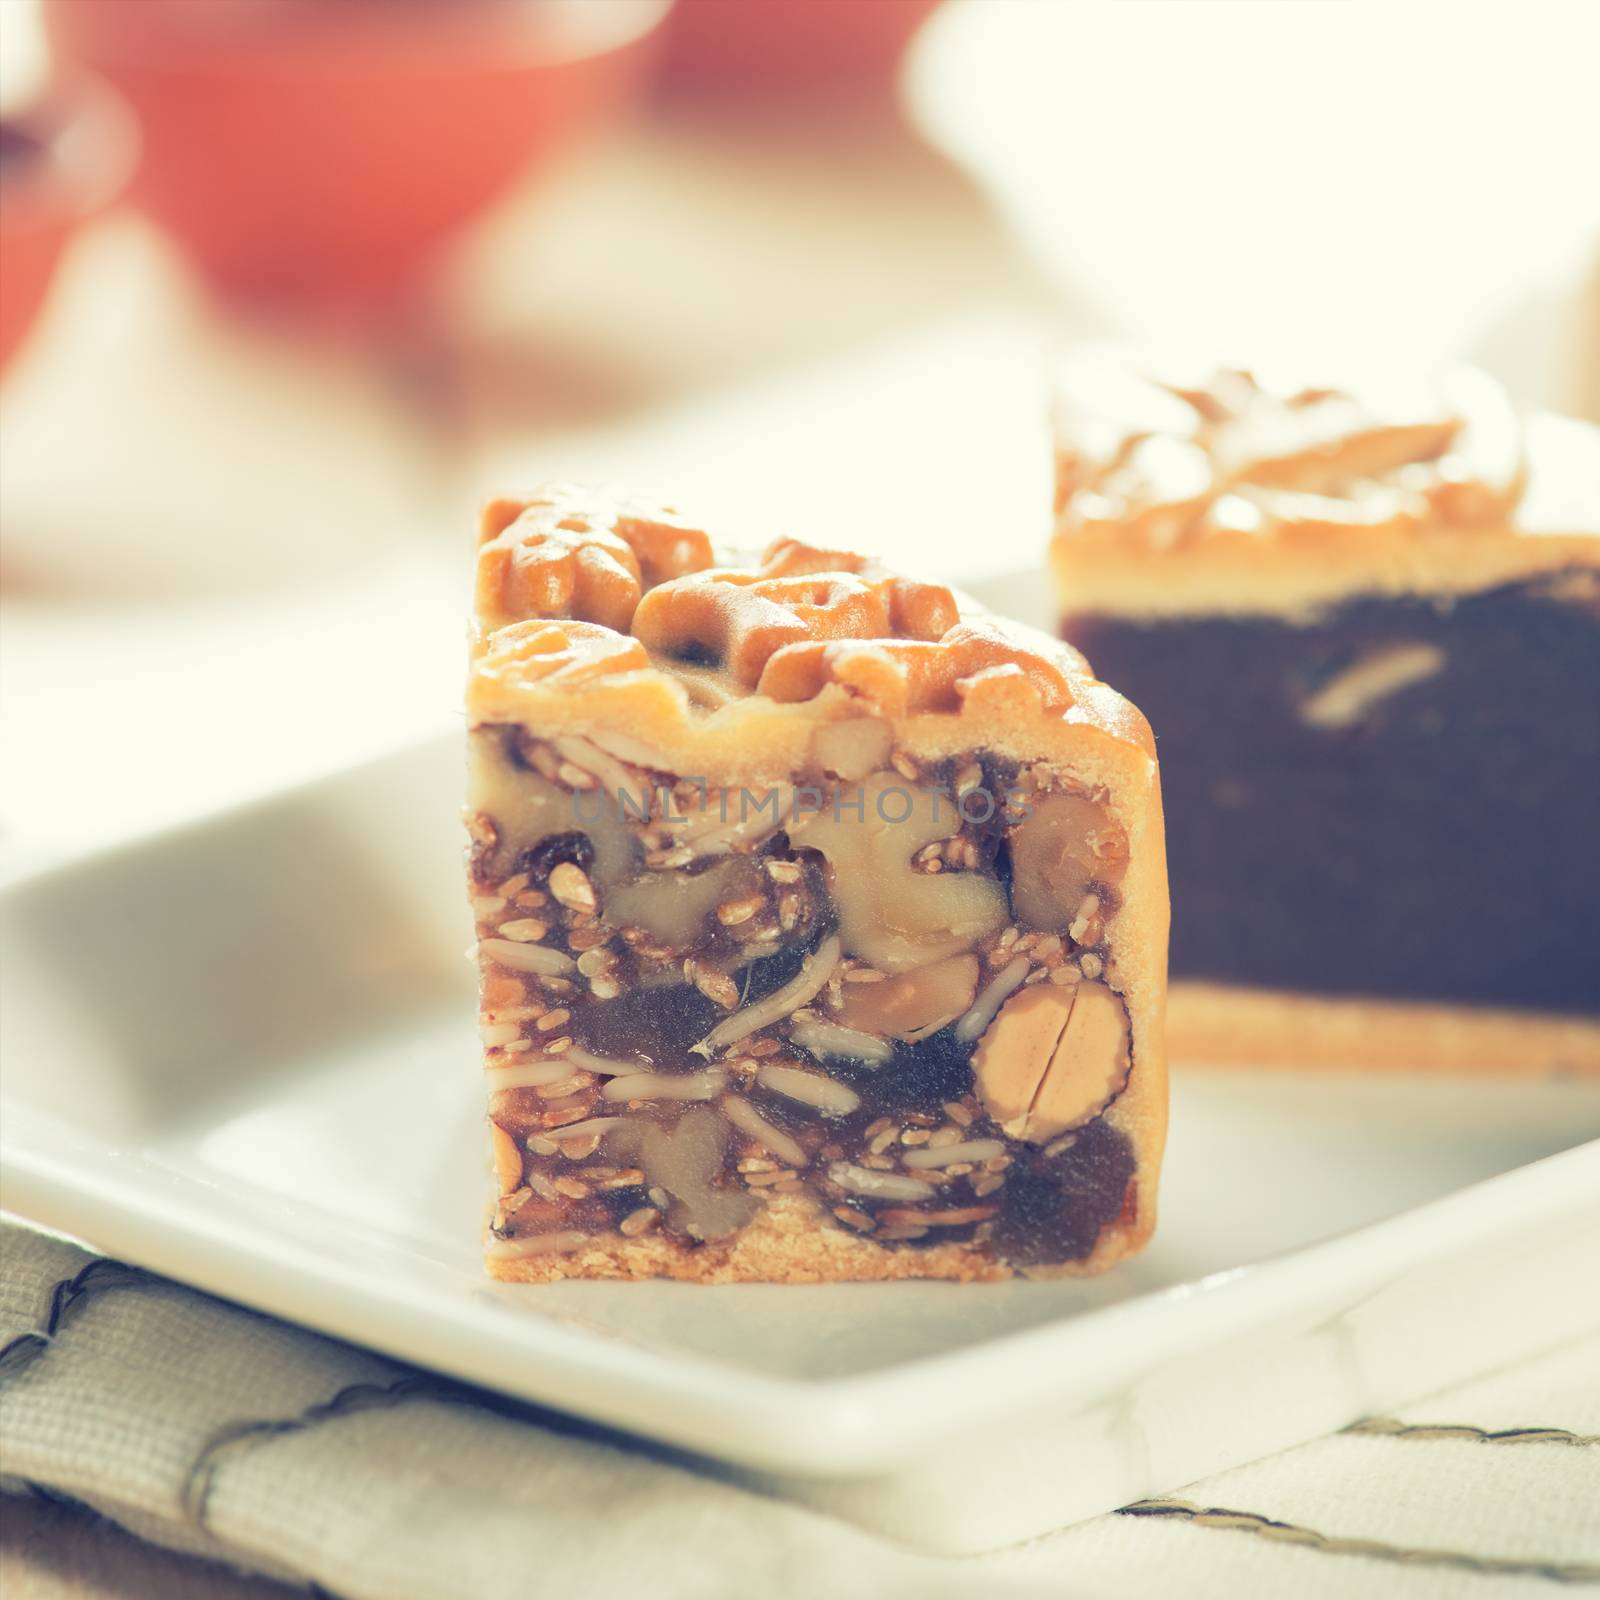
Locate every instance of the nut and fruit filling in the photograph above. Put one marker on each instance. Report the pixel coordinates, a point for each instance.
(884, 985)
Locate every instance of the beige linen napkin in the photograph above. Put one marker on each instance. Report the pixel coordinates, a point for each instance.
(208, 1428)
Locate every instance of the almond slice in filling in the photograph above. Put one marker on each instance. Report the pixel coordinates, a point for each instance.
(1089, 1067)
(1014, 1053)
(1053, 1059)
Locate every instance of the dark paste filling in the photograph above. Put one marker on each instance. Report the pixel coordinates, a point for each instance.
(1441, 847)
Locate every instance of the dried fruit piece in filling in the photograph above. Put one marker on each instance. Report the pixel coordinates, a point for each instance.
(821, 926)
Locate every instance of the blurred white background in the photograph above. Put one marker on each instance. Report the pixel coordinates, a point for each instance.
(1403, 182)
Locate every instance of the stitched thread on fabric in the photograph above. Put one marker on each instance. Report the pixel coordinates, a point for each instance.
(1393, 1428)
(1227, 1520)
(195, 1490)
(65, 1296)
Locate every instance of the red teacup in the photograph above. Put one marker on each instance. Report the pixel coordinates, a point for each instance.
(325, 149)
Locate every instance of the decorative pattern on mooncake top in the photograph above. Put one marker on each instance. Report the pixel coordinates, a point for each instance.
(574, 586)
(569, 552)
(1169, 457)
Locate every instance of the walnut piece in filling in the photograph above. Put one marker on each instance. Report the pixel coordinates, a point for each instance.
(827, 988)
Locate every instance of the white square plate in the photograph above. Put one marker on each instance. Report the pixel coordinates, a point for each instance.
(242, 1053)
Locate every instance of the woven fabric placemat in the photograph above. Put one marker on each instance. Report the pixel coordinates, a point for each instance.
(212, 1430)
